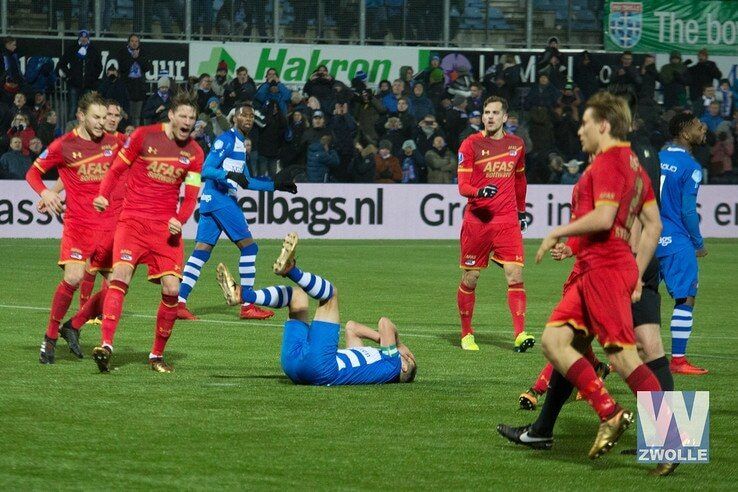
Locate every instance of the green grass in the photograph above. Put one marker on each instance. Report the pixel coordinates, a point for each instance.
(229, 419)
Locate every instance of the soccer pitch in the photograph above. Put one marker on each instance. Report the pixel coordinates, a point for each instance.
(228, 418)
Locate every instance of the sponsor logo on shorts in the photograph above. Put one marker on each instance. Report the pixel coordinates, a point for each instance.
(76, 254)
(126, 255)
(470, 260)
(665, 241)
(518, 258)
(206, 198)
(513, 152)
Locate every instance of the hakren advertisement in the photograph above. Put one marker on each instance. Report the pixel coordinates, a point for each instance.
(368, 211)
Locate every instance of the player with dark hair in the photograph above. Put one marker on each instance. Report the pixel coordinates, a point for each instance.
(159, 159)
(225, 168)
(492, 176)
(681, 242)
(83, 156)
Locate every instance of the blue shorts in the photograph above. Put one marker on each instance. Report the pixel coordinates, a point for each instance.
(228, 219)
(680, 274)
(309, 351)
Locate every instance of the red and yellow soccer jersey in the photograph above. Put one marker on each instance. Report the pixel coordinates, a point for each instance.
(110, 216)
(82, 165)
(615, 177)
(158, 167)
(485, 161)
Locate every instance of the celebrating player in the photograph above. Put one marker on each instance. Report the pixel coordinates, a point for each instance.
(83, 156)
(160, 157)
(492, 176)
(681, 242)
(612, 192)
(224, 169)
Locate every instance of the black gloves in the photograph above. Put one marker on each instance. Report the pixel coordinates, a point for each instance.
(523, 221)
(238, 178)
(288, 187)
(487, 192)
(285, 180)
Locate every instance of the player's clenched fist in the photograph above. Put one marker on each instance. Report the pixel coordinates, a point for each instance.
(175, 226)
(487, 192)
(100, 203)
(52, 201)
(561, 251)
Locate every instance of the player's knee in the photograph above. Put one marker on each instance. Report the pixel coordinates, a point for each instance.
(550, 342)
(204, 247)
(299, 299)
(73, 277)
(470, 278)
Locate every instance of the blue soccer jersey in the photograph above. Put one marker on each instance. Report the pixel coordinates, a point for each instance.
(366, 365)
(680, 182)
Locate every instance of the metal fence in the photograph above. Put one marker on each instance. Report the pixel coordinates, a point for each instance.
(493, 23)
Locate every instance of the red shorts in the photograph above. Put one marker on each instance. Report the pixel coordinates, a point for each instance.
(480, 242)
(102, 257)
(597, 302)
(77, 244)
(138, 240)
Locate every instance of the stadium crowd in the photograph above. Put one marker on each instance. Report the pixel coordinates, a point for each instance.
(405, 130)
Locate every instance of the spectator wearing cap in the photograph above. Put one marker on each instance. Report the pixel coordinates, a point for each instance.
(239, 90)
(420, 104)
(221, 78)
(13, 163)
(456, 120)
(434, 65)
(587, 75)
(158, 103)
(572, 174)
(541, 94)
(274, 90)
(112, 87)
(80, 66)
(674, 77)
(502, 88)
(724, 96)
(441, 163)
(387, 166)
(317, 129)
(133, 64)
(358, 82)
(703, 73)
(474, 125)
(570, 99)
(321, 158)
(412, 163)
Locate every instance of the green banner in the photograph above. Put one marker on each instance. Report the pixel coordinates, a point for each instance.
(660, 26)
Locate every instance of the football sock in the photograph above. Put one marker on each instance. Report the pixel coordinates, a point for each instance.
(660, 369)
(314, 285)
(465, 299)
(165, 319)
(542, 383)
(681, 328)
(642, 379)
(192, 272)
(582, 375)
(59, 306)
(112, 308)
(516, 302)
(247, 268)
(276, 296)
(85, 287)
(559, 391)
(92, 308)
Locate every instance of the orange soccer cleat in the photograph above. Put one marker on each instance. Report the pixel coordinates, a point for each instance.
(184, 313)
(680, 365)
(252, 311)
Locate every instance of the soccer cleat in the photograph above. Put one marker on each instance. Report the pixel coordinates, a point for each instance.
(158, 365)
(101, 356)
(231, 290)
(286, 257)
(468, 343)
(523, 342)
(525, 436)
(72, 337)
(252, 311)
(529, 399)
(680, 365)
(609, 433)
(184, 313)
(663, 469)
(48, 351)
(94, 321)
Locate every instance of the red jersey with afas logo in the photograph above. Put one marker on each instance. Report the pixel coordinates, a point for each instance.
(487, 161)
(158, 167)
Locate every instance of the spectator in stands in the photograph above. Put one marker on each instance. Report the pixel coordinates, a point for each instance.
(721, 154)
(725, 97)
(344, 130)
(570, 99)
(239, 90)
(19, 107)
(412, 163)
(133, 64)
(503, 80)
(204, 91)
(80, 66)
(317, 129)
(712, 117)
(201, 136)
(14, 164)
(541, 130)
(572, 174)
(320, 85)
(702, 74)
(384, 88)
(390, 100)
(221, 78)
(476, 98)
(565, 128)
(474, 125)
(516, 127)
(701, 105)
(292, 154)
(426, 131)
(434, 65)
(271, 139)
(674, 77)
(367, 112)
(556, 72)
(501, 88)
(587, 75)
(555, 168)
(649, 77)
(394, 133)
(40, 109)
(542, 94)
(274, 90)
(215, 121)
(11, 75)
(627, 74)
(169, 13)
(202, 17)
(21, 128)
(341, 94)
(407, 119)
(312, 105)
(112, 87)
(157, 105)
(420, 105)
(407, 75)
(35, 148)
(456, 120)
(441, 163)
(376, 21)
(48, 130)
(551, 51)
(363, 166)
(321, 158)
(387, 166)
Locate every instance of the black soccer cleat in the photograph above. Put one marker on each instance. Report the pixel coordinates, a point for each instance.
(101, 356)
(525, 436)
(72, 337)
(47, 355)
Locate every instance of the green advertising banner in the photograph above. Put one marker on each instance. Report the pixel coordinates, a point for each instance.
(660, 26)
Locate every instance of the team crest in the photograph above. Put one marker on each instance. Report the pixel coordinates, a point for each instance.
(513, 152)
(107, 152)
(184, 160)
(44, 154)
(626, 23)
(128, 143)
(461, 158)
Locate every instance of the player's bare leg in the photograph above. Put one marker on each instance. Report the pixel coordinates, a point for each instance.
(516, 300)
(120, 279)
(73, 273)
(165, 318)
(465, 299)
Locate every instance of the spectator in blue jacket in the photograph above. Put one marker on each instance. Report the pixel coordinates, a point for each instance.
(390, 100)
(712, 117)
(543, 93)
(274, 90)
(420, 104)
(321, 158)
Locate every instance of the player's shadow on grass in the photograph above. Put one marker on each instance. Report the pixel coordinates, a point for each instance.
(125, 357)
(216, 309)
(281, 378)
(480, 338)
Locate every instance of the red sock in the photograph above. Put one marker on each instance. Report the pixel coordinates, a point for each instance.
(544, 378)
(582, 375)
(465, 299)
(516, 302)
(85, 288)
(112, 308)
(642, 379)
(59, 307)
(165, 318)
(591, 357)
(92, 309)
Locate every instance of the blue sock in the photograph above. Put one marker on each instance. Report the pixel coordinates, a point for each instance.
(681, 328)
(316, 287)
(247, 270)
(276, 296)
(192, 272)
